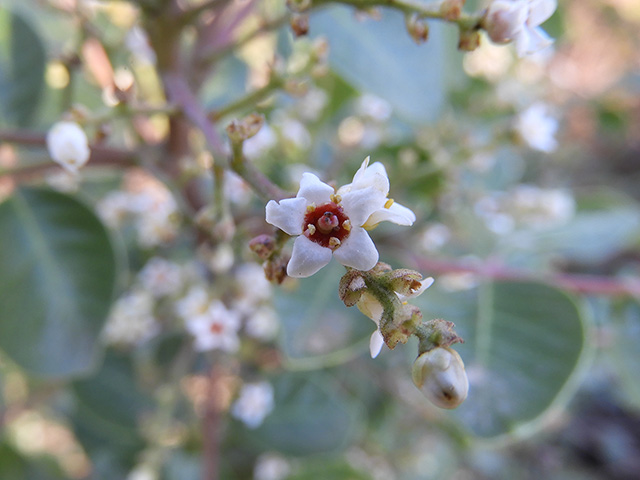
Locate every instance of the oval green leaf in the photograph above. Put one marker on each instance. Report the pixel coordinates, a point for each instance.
(57, 278)
(524, 343)
(379, 57)
(311, 416)
(22, 65)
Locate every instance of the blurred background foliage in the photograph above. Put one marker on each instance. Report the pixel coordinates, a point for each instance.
(535, 252)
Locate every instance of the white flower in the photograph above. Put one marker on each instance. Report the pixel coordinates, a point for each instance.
(371, 307)
(194, 303)
(254, 403)
(68, 145)
(262, 324)
(271, 466)
(131, 320)
(519, 21)
(216, 328)
(374, 107)
(160, 277)
(536, 127)
(333, 225)
(440, 375)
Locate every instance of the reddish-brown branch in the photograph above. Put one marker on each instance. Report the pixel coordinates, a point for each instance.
(578, 283)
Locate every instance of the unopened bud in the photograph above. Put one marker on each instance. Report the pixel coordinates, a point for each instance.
(276, 269)
(68, 145)
(351, 287)
(241, 130)
(504, 19)
(404, 281)
(299, 24)
(451, 9)
(417, 28)
(263, 245)
(440, 375)
(469, 40)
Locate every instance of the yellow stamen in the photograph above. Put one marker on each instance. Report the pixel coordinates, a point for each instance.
(334, 242)
(388, 203)
(311, 207)
(311, 228)
(335, 198)
(347, 225)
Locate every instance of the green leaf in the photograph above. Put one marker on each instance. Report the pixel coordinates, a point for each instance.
(22, 65)
(626, 351)
(15, 466)
(311, 416)
(524, 344)
(317, 329)
(379, 57)
(107, 409)
(57, 278)
(582, 239)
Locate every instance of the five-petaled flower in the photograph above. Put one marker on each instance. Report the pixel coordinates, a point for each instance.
(519, 21)
(329, 223)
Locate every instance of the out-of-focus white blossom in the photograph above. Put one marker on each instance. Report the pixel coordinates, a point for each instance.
(131, 320)
(114, 208)
(310, 106)
(68, 145)
(161, 277)
(489, 61)
(373, 107)
(434, 237)
(271, 466)
(519, 21)
(537, 128)
(254, 403)
(262, 324)
(263, 141)
(63, 181)
(294, 132)
(217, 328)
(194, 303)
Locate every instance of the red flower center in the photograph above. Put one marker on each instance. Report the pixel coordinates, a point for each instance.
(327, 225)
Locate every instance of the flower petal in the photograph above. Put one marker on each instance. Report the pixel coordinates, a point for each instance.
(359, 204)
(540, 11)
(424, 284)
(357, 250)
(396, 213)
(307, 258)
(314, 190)
(531, 40)
(375, 344)
(288, 215)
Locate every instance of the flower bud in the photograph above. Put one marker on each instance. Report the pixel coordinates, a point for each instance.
(451, 9)
(417, 28)
(299, 24)
(263, 245)
(241, 130)
(68, 145)
(504, 19)
(440, 375)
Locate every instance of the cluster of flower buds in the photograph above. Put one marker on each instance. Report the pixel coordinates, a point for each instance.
(381, 294)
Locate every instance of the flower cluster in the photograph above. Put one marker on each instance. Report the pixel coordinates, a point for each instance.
(330, 223)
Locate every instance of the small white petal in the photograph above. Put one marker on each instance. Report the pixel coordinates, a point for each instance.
(288, 215)
(398, 214)
(540, 11)
(375, 344)
(314, 190)
(531, 40)
(357, 251)
(424, 284)
(307, 258)
(359, 204)
(68, 145)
